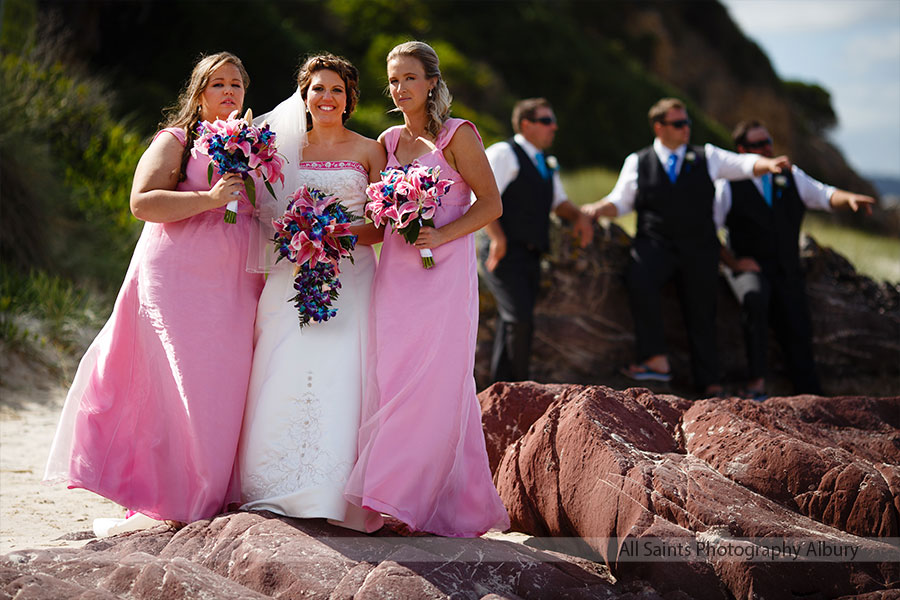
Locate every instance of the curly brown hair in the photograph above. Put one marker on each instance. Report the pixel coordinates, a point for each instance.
(340, 65)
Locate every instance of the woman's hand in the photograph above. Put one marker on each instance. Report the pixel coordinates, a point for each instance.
(154, 197)
(227, 189)
(429, 237)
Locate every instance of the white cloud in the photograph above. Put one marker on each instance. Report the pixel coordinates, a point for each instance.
(852, 48)
(869, 52)
(870, 107)
(759, 17)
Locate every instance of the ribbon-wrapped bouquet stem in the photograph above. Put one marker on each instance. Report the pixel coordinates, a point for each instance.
(237, 146)
(314, 233)
(407, 198)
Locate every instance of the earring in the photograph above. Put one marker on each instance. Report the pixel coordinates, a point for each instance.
(431, 93)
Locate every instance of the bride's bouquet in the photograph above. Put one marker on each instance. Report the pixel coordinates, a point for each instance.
(407, 198)
(314, 233)
(237, 146)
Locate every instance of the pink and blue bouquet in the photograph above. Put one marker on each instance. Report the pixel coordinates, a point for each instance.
(407, 198)
(237, 146)
(314, 233)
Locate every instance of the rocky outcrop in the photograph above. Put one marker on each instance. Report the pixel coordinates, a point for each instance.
(243, 556)
(584, 331)
(835, 460)
(627, 494)
(616, 469)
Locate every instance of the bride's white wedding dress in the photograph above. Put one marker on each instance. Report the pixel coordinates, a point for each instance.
(299, 437)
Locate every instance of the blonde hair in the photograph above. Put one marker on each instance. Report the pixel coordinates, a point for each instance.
(185, 113)
(437, 106)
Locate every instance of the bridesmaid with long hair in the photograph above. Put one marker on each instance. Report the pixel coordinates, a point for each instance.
(422, 451)
(153, 417)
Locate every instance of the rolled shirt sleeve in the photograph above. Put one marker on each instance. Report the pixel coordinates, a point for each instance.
(722, 203)
(625, 191)
(814, 194)
(505, 165)
(559, 193)
(724, 164)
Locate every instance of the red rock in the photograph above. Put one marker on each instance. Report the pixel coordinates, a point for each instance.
(261, 555)
(598, 465)
(812, 455)
(508, 409)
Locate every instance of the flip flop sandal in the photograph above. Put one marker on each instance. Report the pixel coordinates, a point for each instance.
(645, 373)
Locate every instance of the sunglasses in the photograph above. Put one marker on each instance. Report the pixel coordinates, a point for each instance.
(679, 124)
(543, 120)
(759, 144)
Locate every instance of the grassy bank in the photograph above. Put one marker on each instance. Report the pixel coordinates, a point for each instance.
(873, 255)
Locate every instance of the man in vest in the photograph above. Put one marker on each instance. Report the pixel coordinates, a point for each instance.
(763, 216)
(530, 187)
(670, 185)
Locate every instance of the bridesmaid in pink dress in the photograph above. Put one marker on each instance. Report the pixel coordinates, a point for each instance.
(153, 417)
(422, 452)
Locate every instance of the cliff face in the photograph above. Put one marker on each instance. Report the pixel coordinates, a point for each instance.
(697, 48)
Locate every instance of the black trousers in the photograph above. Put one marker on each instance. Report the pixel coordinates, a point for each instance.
(514, 283)
(695, 270)
(771, 297)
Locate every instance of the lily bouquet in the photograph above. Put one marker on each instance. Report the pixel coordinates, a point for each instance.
(237, 146)
(407, 198)
(314, 233)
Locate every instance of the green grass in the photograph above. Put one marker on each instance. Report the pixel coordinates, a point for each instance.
(38, 310)
(873, 255)
(877, 256)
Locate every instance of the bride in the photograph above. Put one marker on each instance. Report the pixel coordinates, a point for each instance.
(299, 437)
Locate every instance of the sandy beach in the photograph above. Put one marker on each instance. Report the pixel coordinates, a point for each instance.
(33, 514)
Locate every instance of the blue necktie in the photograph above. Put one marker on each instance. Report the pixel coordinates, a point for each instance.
(541, 165)
(670, 167)
(767, 188)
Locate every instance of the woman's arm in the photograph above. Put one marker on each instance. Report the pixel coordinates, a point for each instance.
(367, 234)
(465, 153)
(376, 159)
(153, 195)
(376, 156)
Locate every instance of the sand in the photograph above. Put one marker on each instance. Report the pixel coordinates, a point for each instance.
(34, 514)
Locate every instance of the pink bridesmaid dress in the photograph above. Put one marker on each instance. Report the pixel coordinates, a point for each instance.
(153, 417)
(422, 453)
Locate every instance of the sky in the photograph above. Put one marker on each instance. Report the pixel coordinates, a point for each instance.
(852, 49)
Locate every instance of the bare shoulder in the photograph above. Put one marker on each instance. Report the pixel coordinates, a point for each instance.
(465, 148)
(167, 140)
(374, 148)
(166, 149)
(465, 138)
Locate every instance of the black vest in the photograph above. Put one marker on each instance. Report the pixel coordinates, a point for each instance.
(770, 235)
(679, 213)
(526, 204)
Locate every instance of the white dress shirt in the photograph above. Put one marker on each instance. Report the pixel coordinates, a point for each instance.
(505, 166)
(814, 194)
(721, 164)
